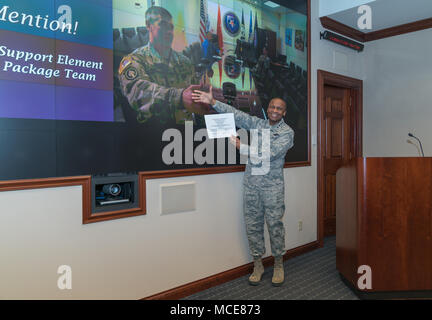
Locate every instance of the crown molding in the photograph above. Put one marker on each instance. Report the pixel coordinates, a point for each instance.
(398, 30)
(352, 33)
(342, 29)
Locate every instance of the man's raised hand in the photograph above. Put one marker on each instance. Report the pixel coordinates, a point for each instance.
(203, 97)
(191, 104)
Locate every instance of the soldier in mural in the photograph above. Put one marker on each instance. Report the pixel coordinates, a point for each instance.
(156, 79)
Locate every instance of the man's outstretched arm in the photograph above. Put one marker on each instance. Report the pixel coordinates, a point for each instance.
(242, 119)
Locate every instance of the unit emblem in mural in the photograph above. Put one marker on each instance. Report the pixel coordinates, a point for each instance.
(232, 67)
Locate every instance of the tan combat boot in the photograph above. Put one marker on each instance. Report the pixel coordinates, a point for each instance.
(258, 270)
(278, 272)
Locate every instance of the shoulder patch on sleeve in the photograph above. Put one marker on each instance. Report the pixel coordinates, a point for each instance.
(124, 63)
(131, 73)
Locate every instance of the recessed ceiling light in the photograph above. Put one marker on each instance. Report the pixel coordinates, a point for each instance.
(271, 4)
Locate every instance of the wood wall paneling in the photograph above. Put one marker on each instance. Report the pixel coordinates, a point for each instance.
(389, 211)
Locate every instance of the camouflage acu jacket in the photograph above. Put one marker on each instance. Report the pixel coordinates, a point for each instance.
(268, 171)
(154, 86)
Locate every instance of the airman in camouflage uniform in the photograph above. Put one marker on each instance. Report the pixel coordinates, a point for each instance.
(154, 77)
(263, 193)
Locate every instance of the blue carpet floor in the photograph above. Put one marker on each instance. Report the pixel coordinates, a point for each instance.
(311, 276)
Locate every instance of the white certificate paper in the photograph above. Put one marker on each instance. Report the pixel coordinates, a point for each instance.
(220, 125)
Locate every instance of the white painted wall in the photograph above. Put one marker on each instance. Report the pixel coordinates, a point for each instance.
(328, 7)
(136, 257)
(398, 95)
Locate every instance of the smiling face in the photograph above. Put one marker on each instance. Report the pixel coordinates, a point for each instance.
(276, 110)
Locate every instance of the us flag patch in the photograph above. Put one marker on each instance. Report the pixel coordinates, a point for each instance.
(125, 62)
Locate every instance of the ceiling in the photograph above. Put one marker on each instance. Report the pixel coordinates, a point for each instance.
(295, 5)
(387, 13)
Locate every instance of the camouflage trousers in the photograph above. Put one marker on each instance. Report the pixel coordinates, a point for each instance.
(264, 205)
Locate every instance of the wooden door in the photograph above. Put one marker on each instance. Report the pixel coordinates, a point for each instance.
(338, 129)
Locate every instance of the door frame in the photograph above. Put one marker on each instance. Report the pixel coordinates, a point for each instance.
(356, 93)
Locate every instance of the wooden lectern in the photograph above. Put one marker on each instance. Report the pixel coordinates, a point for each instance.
(384, 220)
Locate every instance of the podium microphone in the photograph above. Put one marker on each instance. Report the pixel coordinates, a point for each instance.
(413, 136)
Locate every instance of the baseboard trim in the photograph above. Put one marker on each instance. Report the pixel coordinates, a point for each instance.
(220, 278)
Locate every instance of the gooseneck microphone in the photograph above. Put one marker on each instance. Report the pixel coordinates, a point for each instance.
(413, 136)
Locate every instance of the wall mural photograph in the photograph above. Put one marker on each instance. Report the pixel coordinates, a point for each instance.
(240, 48)
(94, 96)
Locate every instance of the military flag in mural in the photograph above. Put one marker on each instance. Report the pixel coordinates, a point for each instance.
(299, 40)
(288, 37)
(203, 20)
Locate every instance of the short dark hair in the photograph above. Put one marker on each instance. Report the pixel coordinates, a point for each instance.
(277, 98)
(155, 11)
